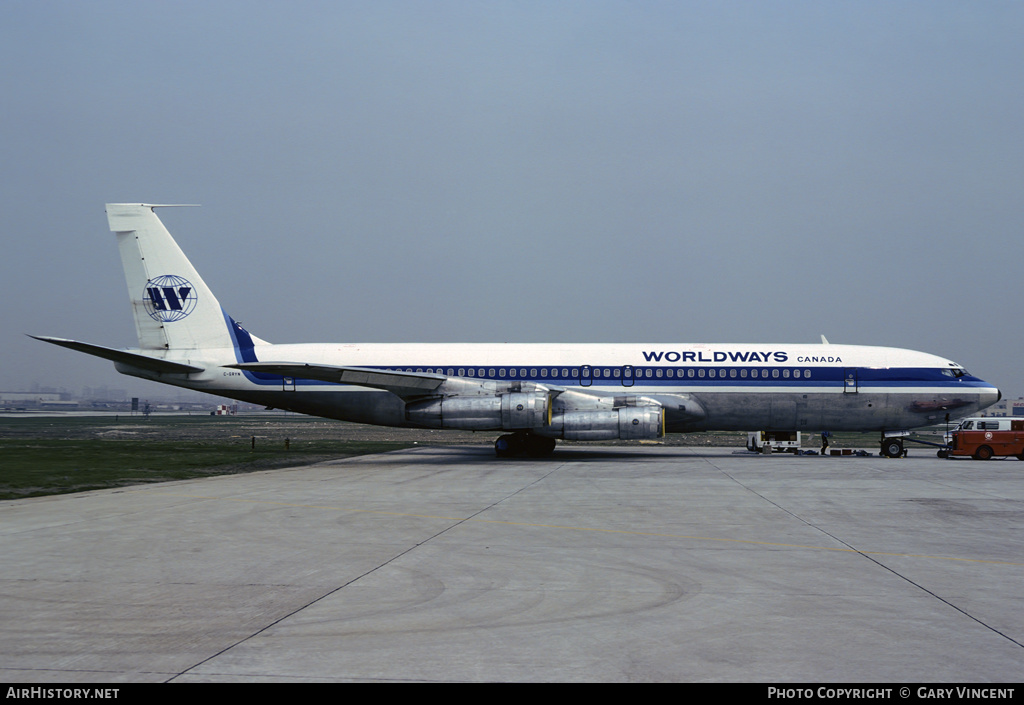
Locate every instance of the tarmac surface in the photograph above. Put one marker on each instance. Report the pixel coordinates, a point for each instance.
(597, 564)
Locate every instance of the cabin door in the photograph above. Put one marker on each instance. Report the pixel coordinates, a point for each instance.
(850, 380)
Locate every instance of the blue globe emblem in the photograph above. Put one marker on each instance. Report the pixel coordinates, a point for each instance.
(169, 298)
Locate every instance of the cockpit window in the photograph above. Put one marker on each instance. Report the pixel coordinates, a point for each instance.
(956, 372)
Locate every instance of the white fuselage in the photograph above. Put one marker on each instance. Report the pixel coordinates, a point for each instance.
(730, 386)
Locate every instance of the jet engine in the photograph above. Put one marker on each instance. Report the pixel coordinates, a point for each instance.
(510, 411)
(625, 423)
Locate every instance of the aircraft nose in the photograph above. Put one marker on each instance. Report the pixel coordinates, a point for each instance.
(990, 397)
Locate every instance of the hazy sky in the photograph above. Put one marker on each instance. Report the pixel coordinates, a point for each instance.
(522, 171)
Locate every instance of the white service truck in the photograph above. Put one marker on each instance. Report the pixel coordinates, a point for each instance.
(775, 441)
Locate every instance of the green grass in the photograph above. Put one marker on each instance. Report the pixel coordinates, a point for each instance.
(53, 455)
(33, 467)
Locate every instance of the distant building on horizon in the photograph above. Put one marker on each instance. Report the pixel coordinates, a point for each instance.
(33, 399)
(1005, 407)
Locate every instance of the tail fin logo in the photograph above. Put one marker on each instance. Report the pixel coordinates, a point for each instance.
(169, 298)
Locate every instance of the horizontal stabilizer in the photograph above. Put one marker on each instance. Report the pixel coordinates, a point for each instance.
(404, 384)
(145, 362)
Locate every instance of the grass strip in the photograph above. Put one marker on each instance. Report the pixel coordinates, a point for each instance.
(34, 467)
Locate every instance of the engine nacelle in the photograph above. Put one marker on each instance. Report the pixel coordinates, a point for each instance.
(625, 423)
(505, 412)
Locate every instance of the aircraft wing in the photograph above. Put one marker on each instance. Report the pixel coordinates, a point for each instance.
(403, 384)
(154, 364)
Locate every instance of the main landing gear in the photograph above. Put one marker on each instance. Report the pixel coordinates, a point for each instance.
(524, 443)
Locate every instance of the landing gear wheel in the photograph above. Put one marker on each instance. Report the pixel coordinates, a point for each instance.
(508, 445)
(539, 446)
(892, 447)
(521, 443)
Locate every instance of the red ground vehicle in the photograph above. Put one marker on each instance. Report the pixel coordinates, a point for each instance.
(983, 438)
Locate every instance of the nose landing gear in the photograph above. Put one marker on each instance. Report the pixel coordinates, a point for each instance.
(893, 448)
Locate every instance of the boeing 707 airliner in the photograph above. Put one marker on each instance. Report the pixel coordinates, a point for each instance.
(532, 393)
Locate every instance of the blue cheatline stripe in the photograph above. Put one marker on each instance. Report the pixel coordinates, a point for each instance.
(681, 375)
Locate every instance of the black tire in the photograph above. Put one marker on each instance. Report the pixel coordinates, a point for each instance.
(507, 446)
(515, 444)
(892, 448)
(983, 453)
(539, 446)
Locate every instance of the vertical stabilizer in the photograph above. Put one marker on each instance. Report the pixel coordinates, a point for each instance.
(172, 306)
